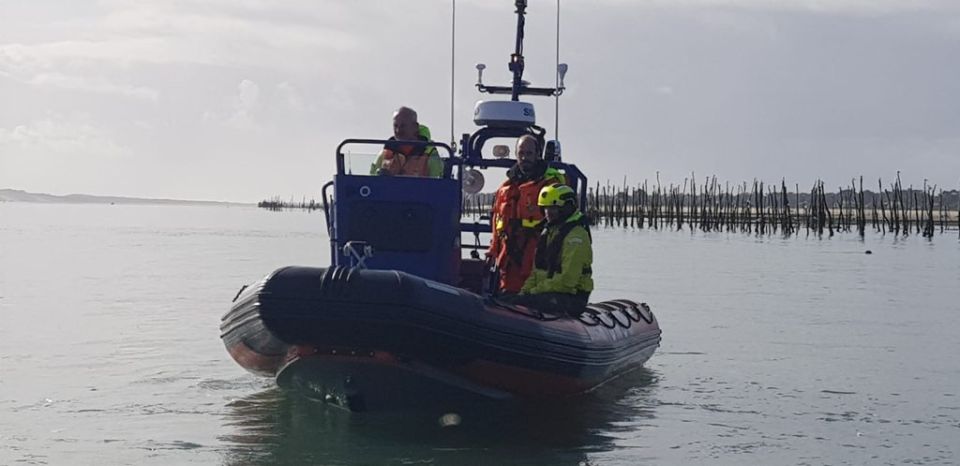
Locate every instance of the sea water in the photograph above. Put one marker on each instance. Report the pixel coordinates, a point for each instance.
(775, 350)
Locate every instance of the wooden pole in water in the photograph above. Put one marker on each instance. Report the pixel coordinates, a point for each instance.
(873, 207)
(883, 210)
(863, 215)
(826, 206)
(840, 203)
(918, 205)
(787, 217)
(903, 207)
(943, 212)
(797, 194)
(816, 221)
(760, 212)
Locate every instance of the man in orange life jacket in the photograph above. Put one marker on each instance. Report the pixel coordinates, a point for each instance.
(407, 159)
(516, 217)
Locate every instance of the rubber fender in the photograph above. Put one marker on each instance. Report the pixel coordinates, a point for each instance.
(588, 318)
(622, 318)
(605, 319)
(645, 312)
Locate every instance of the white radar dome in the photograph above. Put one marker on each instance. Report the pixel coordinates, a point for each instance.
(504, 113)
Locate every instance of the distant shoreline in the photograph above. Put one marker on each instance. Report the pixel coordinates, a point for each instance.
(16, 195)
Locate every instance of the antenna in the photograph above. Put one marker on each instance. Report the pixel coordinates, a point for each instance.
(556, 108)
(453, 58)
(518, 86)
(516, 58)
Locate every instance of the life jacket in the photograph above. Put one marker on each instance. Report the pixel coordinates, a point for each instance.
(517, 223)
(516, 200)
(406, 159)
(549, 256)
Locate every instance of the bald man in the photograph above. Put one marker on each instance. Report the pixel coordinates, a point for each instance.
(398, 159)
(516, 219)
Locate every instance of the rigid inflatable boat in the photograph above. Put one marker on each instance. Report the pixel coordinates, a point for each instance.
(403, 318)
(378, 340)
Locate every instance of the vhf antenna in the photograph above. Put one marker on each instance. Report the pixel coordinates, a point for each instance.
(516, 58)
(453, 57)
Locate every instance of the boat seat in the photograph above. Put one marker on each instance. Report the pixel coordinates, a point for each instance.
(474, 275)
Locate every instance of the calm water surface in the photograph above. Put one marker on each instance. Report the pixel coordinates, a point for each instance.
(775, 351)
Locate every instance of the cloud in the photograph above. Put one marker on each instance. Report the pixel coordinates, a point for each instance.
(99, 85)
(60, 137)
(290, 96)
(253, 107)
(13, 60)
(818, 6)
(244, 104)
(194, 32)
(127, 37)
(119, 52)
(24, 64)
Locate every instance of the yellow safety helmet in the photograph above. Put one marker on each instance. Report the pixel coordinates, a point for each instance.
(556, 195)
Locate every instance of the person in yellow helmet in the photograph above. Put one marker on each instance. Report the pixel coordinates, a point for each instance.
(407, 159)
(562, 277)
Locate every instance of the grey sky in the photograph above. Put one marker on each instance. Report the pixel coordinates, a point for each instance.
(245, 99)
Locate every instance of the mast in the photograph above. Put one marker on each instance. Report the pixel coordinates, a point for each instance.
(518, 86)
(516, 58)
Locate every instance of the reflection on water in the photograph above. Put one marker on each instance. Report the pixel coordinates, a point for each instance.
(280, 427)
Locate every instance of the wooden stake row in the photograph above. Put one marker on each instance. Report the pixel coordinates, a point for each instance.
(762, 209)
